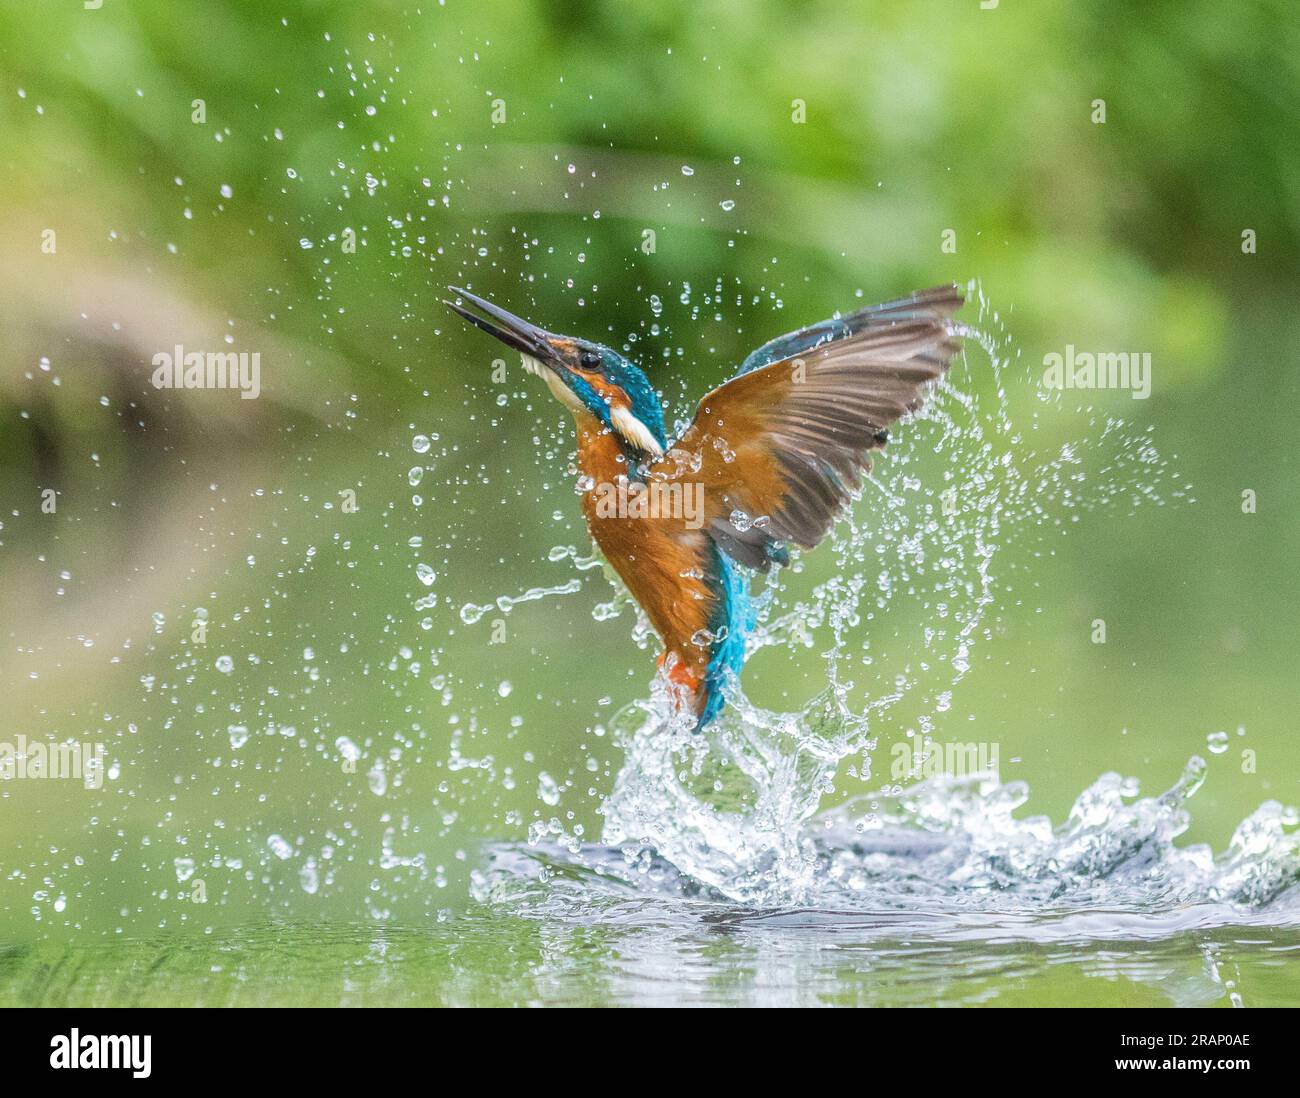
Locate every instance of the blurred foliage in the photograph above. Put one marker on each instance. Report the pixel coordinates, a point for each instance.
(376, 116)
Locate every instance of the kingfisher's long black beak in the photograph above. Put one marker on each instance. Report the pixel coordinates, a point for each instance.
(513, 331)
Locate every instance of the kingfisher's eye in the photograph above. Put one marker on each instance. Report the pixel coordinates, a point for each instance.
(589, 360)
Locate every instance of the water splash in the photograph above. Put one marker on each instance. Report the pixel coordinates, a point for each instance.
(950, 854)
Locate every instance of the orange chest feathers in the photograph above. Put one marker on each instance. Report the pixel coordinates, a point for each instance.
(653, 539)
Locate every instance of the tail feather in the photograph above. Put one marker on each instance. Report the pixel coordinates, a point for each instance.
(735, 614)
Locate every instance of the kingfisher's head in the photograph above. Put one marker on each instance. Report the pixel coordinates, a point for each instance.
(588, 378)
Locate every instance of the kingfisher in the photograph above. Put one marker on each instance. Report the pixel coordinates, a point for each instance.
(768, 463)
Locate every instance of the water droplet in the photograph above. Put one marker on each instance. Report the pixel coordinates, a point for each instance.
(547, 789)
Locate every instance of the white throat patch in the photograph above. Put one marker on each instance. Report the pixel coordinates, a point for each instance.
(559, 390)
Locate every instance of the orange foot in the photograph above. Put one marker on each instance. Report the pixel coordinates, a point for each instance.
(679, 673)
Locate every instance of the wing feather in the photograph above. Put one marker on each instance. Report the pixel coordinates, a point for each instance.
(781, 447)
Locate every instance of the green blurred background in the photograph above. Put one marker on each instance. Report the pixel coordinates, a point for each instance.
(377, 116)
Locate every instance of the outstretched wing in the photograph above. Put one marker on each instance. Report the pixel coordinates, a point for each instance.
(780, 448)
